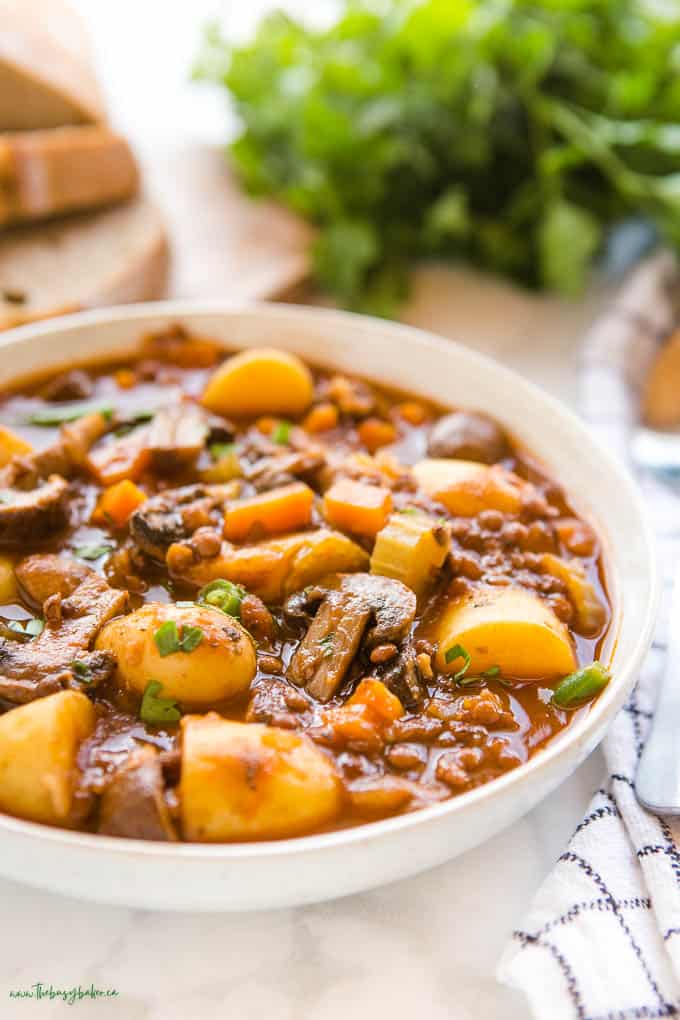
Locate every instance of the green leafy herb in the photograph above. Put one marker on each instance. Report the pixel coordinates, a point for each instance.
(218, 451)
(458, 652)
(92, 551)
(491, 672)
(82, 671)
(512, 134)
(156, 709)
(327, 645)
(170, 639)
(224, 595)
(281, 432)
(68, 412)
(581, 686)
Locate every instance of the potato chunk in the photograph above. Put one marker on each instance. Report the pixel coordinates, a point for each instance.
(260, 381)
(11, 445)
(8, 581)
(243, 781)
(38, 748)
(505, 627)
(466, 487)
(590, 613)
(221, 665)
(412, 549)
(278, 566)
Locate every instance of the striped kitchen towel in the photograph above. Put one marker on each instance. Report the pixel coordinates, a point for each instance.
(602, 938)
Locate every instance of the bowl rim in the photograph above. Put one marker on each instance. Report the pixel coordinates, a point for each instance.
(579, 730)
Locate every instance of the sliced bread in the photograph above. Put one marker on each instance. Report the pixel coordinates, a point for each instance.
(113, 256)
(46, 77)
(48, 173)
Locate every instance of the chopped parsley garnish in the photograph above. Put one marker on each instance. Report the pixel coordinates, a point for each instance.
(458, 652)
(68, 412)
(281, 432)
(491, 672)
(170, 639)
(223, 595)
(218, 451)
(92, 550)
(581, 686)
(156, 709)
(82, 671)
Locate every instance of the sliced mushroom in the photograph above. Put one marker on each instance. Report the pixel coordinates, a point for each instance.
(177, 435)
(34, 490)
(60, 656)
(174, 515)
(133, 804)
(468, 436)
(266, 464)
(73, 385)
(342, 621)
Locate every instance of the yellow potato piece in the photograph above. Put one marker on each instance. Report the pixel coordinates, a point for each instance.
(38, 747)
(466, 488)
(244, 781)
(276, 567)
(220, 666)
(8, 581)
(260, 381)
(11, 445)
(591, 614)
(506, 627)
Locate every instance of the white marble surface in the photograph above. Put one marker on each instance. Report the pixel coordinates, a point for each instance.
(427, 946)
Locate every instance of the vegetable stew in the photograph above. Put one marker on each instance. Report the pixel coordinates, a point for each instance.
(244, 599)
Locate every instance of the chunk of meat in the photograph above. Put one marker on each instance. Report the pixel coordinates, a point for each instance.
(174, 515)
(177, 435)
(73, 385)
(47, 663)
(133, 803)
(342, 621)
(469, 436)
(48, 574)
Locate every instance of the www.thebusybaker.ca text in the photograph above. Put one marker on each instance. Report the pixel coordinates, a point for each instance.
(69, 995)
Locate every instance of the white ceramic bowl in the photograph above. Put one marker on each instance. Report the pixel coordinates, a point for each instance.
(277, 874)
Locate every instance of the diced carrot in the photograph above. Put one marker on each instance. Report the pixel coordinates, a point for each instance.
(266, 425)
(380, 704)
(357, 507)
(374, 433)
(117, 504)
(412, 412)
(125, 378)
(365, 715)
(321, 418)
(269, 513)
(123, 458)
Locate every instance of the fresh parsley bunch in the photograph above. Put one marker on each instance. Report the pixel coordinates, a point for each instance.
(511, 133)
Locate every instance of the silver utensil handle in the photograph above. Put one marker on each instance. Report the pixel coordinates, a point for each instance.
(657, 783)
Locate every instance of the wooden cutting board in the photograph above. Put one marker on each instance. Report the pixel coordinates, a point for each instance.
(223, 244)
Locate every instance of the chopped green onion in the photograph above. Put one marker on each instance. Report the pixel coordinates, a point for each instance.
(170, 640)
(218, 451)
(68, 412)
(491, 671)
(155, 709)
(327, 645)
(410, 510)
(458, 652)
(581, 686)
(281, 432)
(223, 595)
(30, 628)
(82, 671)
(92, 551)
